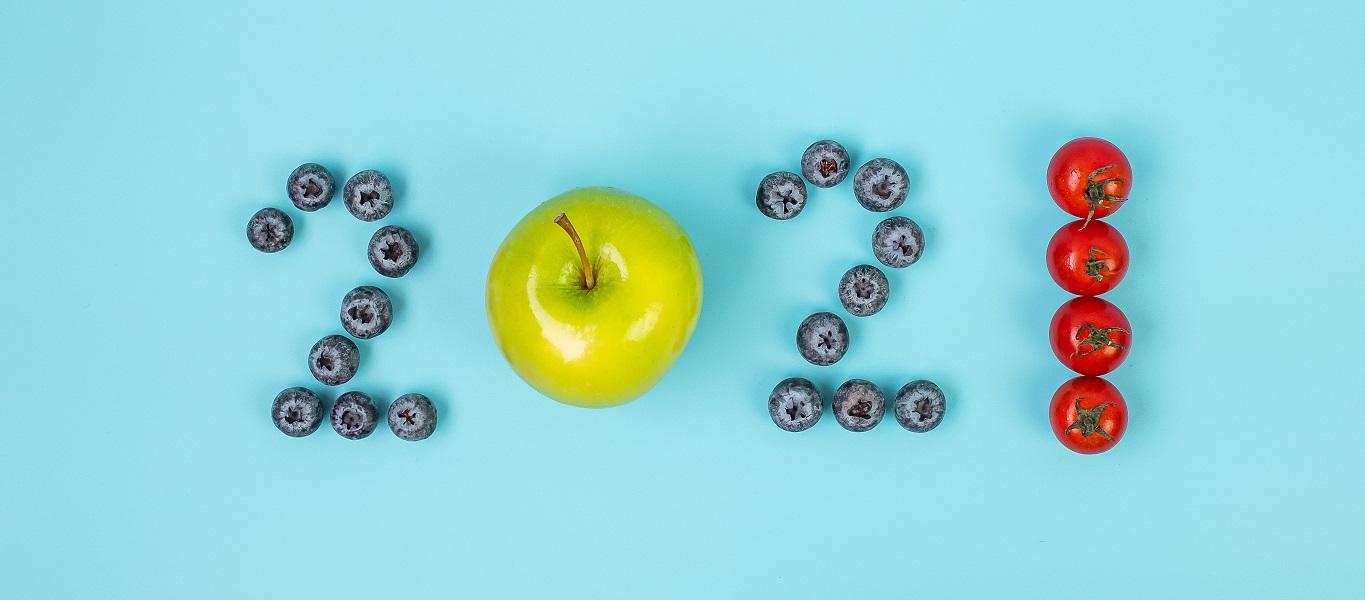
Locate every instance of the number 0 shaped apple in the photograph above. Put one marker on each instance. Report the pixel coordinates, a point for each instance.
(593, 295)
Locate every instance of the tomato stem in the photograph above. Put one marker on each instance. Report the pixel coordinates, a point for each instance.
(1095, 195)
(1097, 264)
(1088, 419)
(1095, 337)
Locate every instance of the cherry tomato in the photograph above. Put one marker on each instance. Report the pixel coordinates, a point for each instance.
(1087, 260)
(1088, 415)
(1089, 178)
(1090, 336)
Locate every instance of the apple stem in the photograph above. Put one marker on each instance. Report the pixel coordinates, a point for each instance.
(589, 279)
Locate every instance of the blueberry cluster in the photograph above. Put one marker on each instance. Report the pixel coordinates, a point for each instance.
(880, 185)
(297, 412)
(366, 311)
(795, 405)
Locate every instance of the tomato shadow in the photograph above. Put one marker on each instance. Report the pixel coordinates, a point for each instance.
(1147, 293)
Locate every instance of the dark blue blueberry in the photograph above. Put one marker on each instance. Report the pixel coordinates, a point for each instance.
(897, 242)
(412, 417)
(270, 230)
(310, 187)
(822, 339)
(368, 196)
(863, 290)
(795, 404)
(392, 251)
(297, 411)
(781, 195)
(366, 312)
(859, 405)
(920, 405)
(881, 185)
(825, 163)
(334, 360)
(354, 416)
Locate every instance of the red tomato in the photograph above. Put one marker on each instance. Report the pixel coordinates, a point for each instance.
(1089, 178)
(1087, 260)
(1090, 336)
(1088, 415)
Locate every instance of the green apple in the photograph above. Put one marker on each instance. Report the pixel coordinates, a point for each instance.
(593, 295)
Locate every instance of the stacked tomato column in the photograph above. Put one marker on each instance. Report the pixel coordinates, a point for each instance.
(1090, 179)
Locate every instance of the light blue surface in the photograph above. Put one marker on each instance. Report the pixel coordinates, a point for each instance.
(144, 339)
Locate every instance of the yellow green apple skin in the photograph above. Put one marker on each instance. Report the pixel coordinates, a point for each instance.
(608, 344)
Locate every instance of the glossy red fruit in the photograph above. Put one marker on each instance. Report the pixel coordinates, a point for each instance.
(1087, 260)
(1088, 415)
(1090, 336)
(1089, 178)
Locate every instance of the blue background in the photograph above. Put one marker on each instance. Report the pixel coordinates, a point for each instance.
(144, 339)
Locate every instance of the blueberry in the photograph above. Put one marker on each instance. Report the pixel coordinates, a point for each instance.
(795, 404)
(366, 312)
(897, 242)
(368, 196)
(353, 415)
(333, 360)
(310, 187)
(781, 195)
(412, 417)
(393, 251)
(825, 163)
(270, 230)
(858, 405)
(297, 411)
(864, 290)
(822, 339)
(881, 185)
(920, 405)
